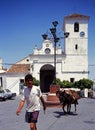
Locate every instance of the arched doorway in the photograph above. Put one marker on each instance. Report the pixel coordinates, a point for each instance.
(46, 77)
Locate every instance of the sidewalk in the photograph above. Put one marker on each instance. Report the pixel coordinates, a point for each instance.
(54, 118)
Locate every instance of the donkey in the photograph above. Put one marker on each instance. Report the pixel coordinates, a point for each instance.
(66, 98)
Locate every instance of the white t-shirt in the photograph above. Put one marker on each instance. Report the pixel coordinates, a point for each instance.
(32, 98)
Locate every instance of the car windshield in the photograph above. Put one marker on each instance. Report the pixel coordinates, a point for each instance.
(7, 90)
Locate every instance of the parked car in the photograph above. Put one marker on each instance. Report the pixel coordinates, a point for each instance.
(9, 94)
(3, 95)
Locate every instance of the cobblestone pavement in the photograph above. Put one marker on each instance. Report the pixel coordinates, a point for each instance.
(53, 119)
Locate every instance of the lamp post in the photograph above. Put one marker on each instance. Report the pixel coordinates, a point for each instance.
(56, 39)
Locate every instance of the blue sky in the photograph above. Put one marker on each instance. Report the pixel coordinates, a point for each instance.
(22, 22)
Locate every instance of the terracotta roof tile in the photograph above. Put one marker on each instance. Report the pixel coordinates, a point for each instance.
(77, 16)
(19, 68)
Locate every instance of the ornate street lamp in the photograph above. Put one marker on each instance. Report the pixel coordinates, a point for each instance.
(56, 39)
(44, 36)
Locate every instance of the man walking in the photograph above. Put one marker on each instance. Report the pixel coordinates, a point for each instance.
(32, 96)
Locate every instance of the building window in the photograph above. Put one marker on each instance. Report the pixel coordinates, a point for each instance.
(76, 47)
(72, 80)
(21, 86)
(27, 60)
(32, 66)
(76, 27)
(1, 84)
(21, 80)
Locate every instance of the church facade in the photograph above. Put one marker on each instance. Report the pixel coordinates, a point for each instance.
(71, 63)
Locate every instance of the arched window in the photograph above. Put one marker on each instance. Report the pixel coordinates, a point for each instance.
(76, 46)
(76, 27)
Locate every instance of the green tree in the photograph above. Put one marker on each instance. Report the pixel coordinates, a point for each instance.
(36, 82)
(81, 84)
(67, 84)
(59, 82)
(85, 83)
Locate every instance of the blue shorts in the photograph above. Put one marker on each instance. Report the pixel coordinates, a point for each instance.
(31, 116)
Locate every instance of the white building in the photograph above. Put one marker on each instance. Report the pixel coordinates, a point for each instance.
(71, 63)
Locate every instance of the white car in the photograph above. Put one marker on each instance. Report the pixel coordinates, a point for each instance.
(3, 95)
(8, 93)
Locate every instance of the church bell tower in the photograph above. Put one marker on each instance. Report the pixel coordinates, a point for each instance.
(76, 46)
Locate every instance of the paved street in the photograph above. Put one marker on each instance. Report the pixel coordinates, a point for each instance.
(53, 119)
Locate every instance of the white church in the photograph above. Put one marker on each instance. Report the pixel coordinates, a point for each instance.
(71, 63)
